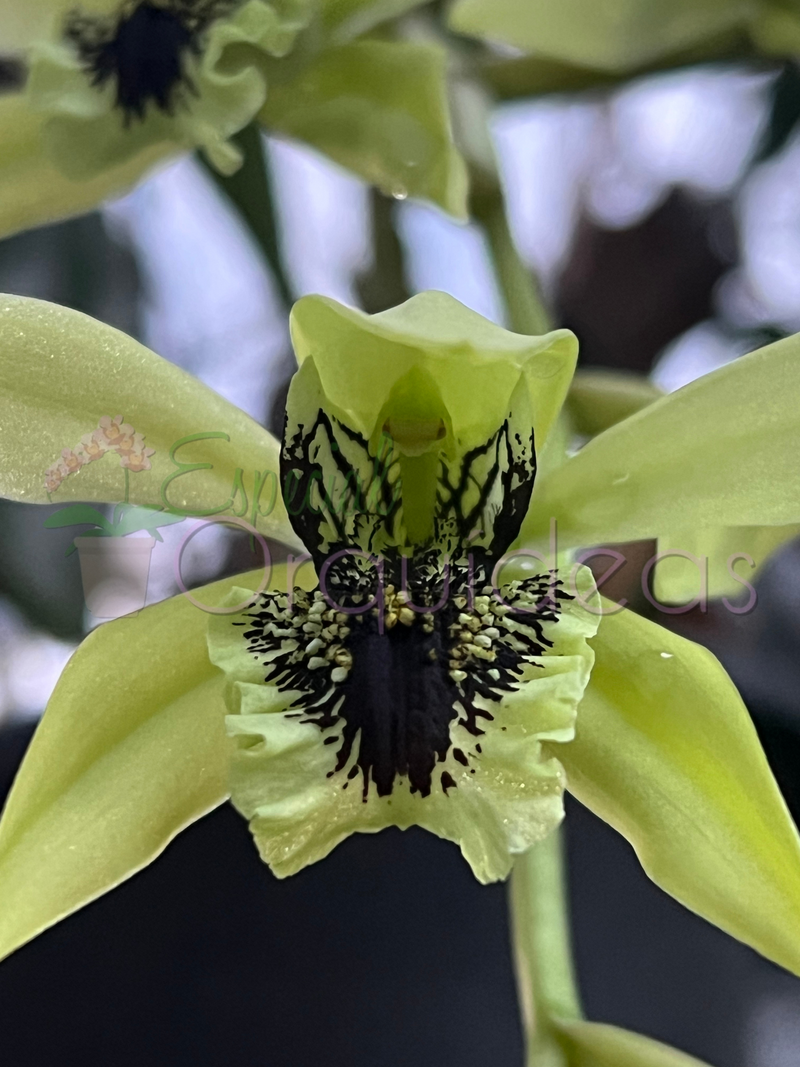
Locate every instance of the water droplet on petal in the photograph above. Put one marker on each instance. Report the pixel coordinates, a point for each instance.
(666, 655)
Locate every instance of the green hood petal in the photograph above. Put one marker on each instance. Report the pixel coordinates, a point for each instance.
(222, 88)
(63, 373)
(287, 777)
(428, 410)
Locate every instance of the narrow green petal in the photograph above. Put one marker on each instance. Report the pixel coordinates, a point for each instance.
(599, 399)
(597, 1045)
(380, 109)
(666, 752)
(33, 191)
(719, 452)
(61, 372)
(131, 750)
(717, 566)
(608, 36)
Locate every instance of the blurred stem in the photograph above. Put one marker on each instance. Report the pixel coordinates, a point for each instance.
(384, 284)
(250, 190)
(542, 948)
(526, 311)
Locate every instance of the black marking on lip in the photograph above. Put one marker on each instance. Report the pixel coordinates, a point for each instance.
(144, 50)
(339, 494)
(393, 706)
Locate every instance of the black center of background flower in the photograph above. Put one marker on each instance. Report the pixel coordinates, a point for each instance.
(144, 50)
(387, 682)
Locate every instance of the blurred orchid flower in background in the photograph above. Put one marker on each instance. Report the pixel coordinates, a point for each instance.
(114, 89)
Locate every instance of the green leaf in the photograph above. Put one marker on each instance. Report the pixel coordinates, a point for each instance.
(596, 1045)
(615, 37)
(61, 372)
(33, 192)
(76, 515)
(717, 561)
(130, 751)
(345, 19)
(719, 452)
(666, 753)
(136, 519)
(599, 399)
(380, 109)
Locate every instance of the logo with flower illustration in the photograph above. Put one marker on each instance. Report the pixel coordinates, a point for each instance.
(111, 435)
(114, 567)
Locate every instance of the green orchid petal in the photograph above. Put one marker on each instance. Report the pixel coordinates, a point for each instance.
(23, 24)
(380, 109)
(427, 402)
(715, 563)
(474, 363)
(33, 191)
(666, 753)
(597, 1045)
(86, 133)
(130, 751)
(599, 399)
(287, 780)
(718, 452)
(61, 372)
(607, 36)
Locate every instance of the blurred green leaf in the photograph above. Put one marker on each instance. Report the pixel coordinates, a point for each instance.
(721, 451)
(598, 399)
(380, 109)
(619, 36)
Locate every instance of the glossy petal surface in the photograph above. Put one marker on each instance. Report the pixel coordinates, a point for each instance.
(131, 750)
(62, 372)
(666, 752)
(721, 451)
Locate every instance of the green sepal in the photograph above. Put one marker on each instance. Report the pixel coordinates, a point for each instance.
(33, 191)
(380, 109)
(61, 372)
(721, 451)
(130, 751)
(665, 751)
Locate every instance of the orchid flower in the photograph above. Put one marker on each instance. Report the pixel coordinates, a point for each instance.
(356, 691)
(115, 87)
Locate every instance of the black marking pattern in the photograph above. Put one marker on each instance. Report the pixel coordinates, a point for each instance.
(144, 49)
(341, 495)
(391, 678)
